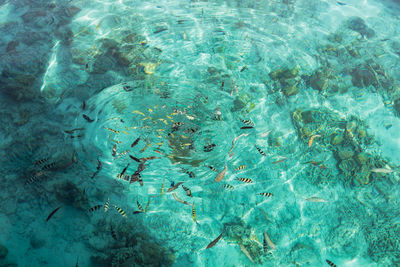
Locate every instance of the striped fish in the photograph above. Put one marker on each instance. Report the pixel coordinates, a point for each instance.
(194, 213)
(260, 151)
(147, 205)
(245, 180)
(228, 186)
(187, 190)
(139, 206)
(212, 168)
(120, 211)
(41, 161)
(266, 194)
(106, 205)
(247, 122)
(265, 246)
(242, 167)
(113, 233)
(34, 178)
(331, 263)
(97, 207)
(49, 166)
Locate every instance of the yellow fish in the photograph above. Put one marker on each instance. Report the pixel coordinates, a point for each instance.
(194, 213)
(150, 110)
(183, 136)
(125, 132)
(164, 121)
(120, 211)
(240, 168)
(138, 112)
(134, 127)
(146, 118)
(187, 144)
(112, 130)
(169, 117)
(106, 205)
(159, 136)
(159, 144)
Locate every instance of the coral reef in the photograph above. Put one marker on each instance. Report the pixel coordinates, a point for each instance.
(239, 233)
(348, 140)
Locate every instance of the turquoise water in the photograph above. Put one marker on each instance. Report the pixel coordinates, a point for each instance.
(196, 133)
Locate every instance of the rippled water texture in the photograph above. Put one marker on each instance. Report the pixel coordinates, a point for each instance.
(191, 133)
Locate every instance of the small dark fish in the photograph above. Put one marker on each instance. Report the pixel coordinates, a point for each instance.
(245, 180)
(73, 130)
(97, 207)
(260, 151)
(265, 246)
(246, 127)
(215, 241)
(212, 168)
(331, 263)
(114, 150)
(157, 49)
(127, 88)
(41, 161)
(222, 85)
(52, 213)
(124, 170)
(49, 166)
(99, 165)
(114, 236)
(134, 158)
(172, 183)
(148, 158)
(172, 188)
(341, 4)
(279, 161)
(187, 190)
(87, 118)
(84, 103)
(77, 136)
(139, 206)
(243, 69)
(87, 66)
(135, 142)
(160, 30)
(266, 194)
(134, 178)
(77, 260)
(190, 173)
(208, 148)
(95, 173)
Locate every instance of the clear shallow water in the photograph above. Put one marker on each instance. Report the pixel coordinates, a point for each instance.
(298, 70)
